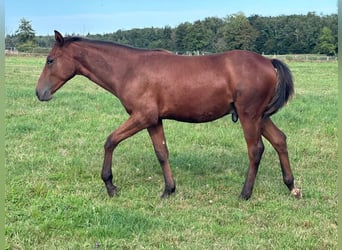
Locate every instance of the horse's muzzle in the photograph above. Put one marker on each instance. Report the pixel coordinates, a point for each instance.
(44, 95)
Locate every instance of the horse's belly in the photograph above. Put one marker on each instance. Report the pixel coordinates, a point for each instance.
(198, 111)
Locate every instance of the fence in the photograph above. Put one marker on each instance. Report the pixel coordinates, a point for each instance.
(304, 58)
(289, 57)
(11, 51)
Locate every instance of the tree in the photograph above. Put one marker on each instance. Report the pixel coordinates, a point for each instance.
(269, 35)
(238, 33)
(180, 37)
(25, 35)
(197, 37)
(10, 41)
(213, 25)
(167, 38)
(326, 42)
(263, 26)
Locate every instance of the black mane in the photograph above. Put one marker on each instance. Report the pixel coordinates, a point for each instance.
(71, 39)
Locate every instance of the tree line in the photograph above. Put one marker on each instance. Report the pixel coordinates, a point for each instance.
(286, 34)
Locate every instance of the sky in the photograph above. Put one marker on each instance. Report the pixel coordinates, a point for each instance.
(106, 16)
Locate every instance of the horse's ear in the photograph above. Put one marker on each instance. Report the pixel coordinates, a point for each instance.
(59, 38)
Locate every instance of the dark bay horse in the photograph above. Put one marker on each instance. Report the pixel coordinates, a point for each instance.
(153, 85)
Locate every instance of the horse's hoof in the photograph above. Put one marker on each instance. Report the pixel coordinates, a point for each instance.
(245, 194)
(297, 193)
(168, 193)
(244, 197)
(112, 191)
(165, 195)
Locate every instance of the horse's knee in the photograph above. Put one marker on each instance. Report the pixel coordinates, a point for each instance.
(109, 145)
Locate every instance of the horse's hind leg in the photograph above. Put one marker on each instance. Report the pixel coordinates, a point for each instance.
(251, 129)
(278, 140)
(159, 143)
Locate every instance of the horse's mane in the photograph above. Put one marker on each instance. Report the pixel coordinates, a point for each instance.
(71, 39)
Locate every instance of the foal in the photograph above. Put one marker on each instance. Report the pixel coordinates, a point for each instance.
(153, 85)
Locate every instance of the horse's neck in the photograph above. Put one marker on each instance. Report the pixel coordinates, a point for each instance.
(105, 65)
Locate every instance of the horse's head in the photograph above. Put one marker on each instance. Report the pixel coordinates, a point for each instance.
(59, 68)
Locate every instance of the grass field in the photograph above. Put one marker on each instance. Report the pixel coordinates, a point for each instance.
(55, 198)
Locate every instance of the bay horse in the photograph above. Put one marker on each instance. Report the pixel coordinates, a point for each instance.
(153, 85)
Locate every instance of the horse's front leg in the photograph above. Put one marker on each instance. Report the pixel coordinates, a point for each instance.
(133, 125)
(159, 143)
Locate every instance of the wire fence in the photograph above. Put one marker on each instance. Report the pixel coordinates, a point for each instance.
(288, 57)
(305, 58)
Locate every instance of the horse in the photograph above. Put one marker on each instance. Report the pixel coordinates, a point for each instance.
(153, 85)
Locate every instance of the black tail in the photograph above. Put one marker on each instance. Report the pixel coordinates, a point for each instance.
(284, 89)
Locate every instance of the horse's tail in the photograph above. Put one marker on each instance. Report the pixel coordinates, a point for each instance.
(284, 88)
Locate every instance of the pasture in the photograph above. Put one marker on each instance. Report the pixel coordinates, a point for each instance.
(55, 198)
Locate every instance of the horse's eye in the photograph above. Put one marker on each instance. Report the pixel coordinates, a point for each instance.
(49, 61)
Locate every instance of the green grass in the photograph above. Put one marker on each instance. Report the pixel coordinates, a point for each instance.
(55, 198)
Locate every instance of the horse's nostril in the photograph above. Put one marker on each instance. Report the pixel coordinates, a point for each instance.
(43, 95)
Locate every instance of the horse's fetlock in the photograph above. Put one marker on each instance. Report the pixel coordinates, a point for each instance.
(289, 181)
(106, 177)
